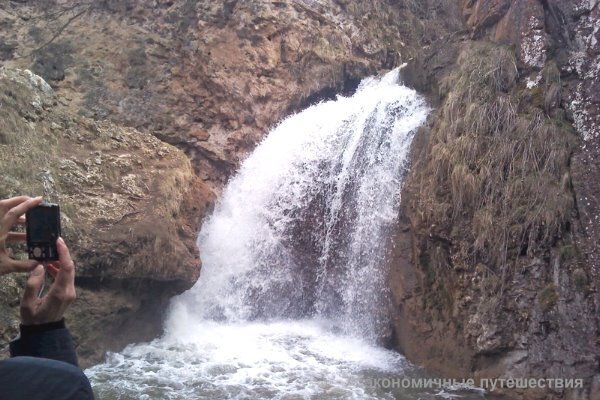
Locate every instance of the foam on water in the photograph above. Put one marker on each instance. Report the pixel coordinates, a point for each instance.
(302, 359)
(246, 360)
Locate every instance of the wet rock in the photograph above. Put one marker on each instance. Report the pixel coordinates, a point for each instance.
(483, 15)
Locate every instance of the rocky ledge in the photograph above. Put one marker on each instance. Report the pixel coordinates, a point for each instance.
(128, 204)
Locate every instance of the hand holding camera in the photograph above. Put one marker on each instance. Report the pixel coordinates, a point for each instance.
(52, 306)
(43, 245)
(12, 213)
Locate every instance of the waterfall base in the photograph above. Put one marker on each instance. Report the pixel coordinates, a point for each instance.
(304, 359)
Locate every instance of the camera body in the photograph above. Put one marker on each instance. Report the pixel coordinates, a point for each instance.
(43, 229)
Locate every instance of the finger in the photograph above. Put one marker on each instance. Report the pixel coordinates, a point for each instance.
(30, 300)
(62, 292)
(65, 279)
(52, 270)
(32, 288)
(7, 204)
(16, 237)
(22, 220)
(12, 216)
(12, 265)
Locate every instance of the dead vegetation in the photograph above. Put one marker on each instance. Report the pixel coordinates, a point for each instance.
(25, 144)
(497, 177)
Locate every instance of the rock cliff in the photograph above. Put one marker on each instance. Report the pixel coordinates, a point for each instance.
(127, 201)
(152, 105)
(496, 257)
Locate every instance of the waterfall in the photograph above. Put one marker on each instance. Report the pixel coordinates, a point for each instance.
(292, 293)
(302, 229)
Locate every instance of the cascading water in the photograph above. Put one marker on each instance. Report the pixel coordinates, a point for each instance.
(292, 295)
(301, 229)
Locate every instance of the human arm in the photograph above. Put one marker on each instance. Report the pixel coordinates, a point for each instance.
(43, 331)
(52, 340)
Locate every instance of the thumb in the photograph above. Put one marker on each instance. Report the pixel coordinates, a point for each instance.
(34, 283)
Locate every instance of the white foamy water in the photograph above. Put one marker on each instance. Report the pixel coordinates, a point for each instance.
(250, 360)
(292, 296)
(301, 230)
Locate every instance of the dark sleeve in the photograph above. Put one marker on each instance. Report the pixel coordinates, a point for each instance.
(35, 378)
(52, 340)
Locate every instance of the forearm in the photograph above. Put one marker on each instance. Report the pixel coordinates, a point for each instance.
(52, 340)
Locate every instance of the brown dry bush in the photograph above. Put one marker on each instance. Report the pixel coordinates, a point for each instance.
(497, 170)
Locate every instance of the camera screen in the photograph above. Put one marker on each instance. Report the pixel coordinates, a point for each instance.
(42, 224)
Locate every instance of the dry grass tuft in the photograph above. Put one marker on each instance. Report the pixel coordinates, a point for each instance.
(497, 170)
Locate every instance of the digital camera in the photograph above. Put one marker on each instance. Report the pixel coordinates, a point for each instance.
(43, 229)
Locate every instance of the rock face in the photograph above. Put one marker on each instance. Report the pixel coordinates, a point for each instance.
(209, 77)
(494, 272)
(127, 208)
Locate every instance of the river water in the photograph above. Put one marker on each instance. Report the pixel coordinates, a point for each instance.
(292, 300)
